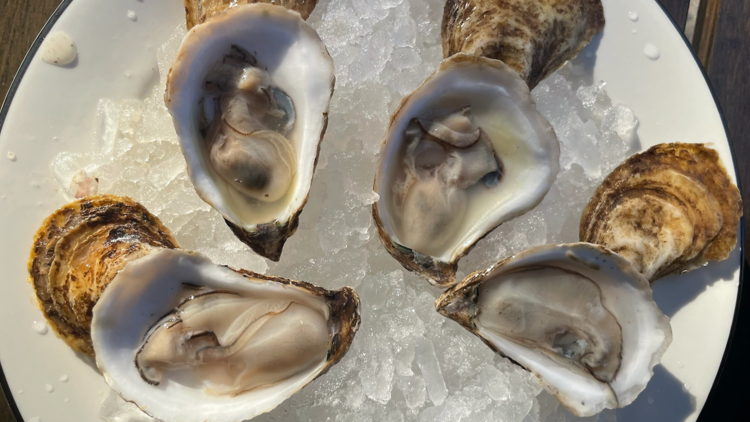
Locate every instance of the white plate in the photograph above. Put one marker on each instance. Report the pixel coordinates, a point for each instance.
(53, 110)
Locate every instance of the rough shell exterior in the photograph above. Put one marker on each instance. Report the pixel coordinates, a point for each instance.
(79, 249)
(198, 11)
(714, 223)
(535, 38)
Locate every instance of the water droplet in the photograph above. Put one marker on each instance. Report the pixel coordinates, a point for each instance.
(40, 327)
(589, 54)
(20, 391)
(686, 387)
(49, 388)
(132, 16)
(35, 419)
(651, 51)
(633, 16)
(635, 30)
(11, 156)
(66, 400)
(64, 378)
(650, 400)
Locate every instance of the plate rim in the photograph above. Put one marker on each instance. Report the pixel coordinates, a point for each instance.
(8, 394)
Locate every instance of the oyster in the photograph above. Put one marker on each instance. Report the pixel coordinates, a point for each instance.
(79, 249)
(190, 341)
(464, 152)
(667, 210)
(198, 11)
(577, 316)
(249, 92)
(534, 38)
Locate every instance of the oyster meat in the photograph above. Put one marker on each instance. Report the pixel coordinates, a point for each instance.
(190, 341)
(464, 152)
(667, 210)
(577, 316)
(198, 11)
(249, 92)
(79, 249)
(534, 38)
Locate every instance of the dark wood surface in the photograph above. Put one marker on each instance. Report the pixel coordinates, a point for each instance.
(678, 9)
(723, 41)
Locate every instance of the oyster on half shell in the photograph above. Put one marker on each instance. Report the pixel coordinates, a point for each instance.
(667, 210)
(79, 249)
(249, 92)
(464, 153)
(534, 38)
(190, 341)
(577, 316)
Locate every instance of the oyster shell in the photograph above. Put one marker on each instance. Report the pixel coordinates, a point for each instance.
(199, 11)
(190, 341)
(249, 92)
(577, 316)
(667, 210)
(464, 152)
(79, 249)
(534, 38)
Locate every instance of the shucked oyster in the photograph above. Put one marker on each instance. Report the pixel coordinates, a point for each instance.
(190, 341)
(79, 249)
(577, 316)
(464, 152)
(667, 210)
(198, 11)
(534, 38)
(249, 93)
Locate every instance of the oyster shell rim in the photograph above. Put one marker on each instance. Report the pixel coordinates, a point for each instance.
(343, 306)
(439, 272)
(464, 294)
(266, 238)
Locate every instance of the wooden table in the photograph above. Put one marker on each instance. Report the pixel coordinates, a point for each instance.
(722, 41)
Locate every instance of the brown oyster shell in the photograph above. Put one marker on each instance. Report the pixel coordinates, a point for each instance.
(535, 38)
(199, 11)
(79, 249)
(689, 177)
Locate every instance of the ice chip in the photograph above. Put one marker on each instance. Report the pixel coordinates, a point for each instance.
(430, 369)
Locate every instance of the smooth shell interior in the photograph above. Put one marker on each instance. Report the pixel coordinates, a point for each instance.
(298, 64)
(608, 287)
(150, 288)
(523, 140)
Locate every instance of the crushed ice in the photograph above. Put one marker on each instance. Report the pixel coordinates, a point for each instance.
(407, 363)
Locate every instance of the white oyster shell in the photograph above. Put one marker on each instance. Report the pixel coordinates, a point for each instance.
(499, 103)
(298, 64)
(162, 285)
(577, 316)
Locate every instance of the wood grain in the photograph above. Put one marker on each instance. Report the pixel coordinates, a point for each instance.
(729, 66)
(705, 29)
(678, 9)
(20, 23)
